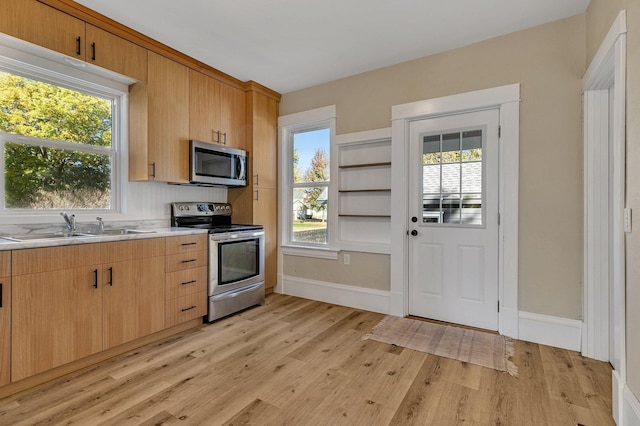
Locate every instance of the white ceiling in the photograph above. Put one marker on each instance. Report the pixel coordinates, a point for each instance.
(292, 44)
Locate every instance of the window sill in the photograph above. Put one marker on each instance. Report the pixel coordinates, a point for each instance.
(317, 252)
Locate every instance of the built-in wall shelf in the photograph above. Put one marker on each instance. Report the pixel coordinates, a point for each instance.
(364, 194)
(365, 190)
(349, 166)
(364, 215)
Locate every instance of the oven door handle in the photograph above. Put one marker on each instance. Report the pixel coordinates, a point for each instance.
(238, 292)
(236, 238)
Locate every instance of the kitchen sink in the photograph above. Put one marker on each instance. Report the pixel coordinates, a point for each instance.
(53, 235)
(120, 231)
(64, 235)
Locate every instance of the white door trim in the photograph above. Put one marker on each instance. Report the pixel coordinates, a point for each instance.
(607, 70)
(507, 100)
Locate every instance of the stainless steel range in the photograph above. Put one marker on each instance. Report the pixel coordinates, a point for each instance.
(236, 256)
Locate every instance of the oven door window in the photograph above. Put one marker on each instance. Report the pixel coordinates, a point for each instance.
(238, 260)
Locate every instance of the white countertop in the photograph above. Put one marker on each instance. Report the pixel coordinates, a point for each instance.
(65, 241)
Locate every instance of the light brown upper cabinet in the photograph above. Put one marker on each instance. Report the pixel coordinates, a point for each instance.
(264, 111)
(204, 108)
(44, 26)
(233, 116)
(47, 27)
(115, 53)
(217, 111)
(159, 136)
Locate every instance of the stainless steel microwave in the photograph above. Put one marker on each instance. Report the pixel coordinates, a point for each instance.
(215, 165)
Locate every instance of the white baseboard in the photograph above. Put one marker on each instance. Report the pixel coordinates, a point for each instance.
(338, 294)
(630, 409)
(548, 330)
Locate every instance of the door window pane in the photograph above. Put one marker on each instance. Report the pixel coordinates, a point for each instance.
(452, 178)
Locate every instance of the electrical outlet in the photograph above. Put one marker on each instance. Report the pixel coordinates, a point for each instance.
(347, 259)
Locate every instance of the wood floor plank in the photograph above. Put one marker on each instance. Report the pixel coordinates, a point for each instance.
(299, 362)
(256, 413)
(421, 400)
(563, 384)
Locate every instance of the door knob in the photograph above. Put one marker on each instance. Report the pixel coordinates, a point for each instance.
(414, 232)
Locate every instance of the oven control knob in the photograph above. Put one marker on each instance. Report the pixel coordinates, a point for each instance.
(181, 208)
(217, 207)
(187, 208)
(226, 208)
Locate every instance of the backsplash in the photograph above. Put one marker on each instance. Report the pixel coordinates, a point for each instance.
(147, 207)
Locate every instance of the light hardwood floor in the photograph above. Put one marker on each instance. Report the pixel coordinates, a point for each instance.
(300, 362)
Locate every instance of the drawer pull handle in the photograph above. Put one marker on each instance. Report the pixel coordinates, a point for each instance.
(78, 41)
(190, 282)
(189, 244)
(188, 261)
(95, 278)
(188, 309)
(93, 51)
(0, 295)
(111, 277)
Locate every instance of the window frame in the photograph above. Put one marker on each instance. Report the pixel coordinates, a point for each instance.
(288, 125)
(40, 64)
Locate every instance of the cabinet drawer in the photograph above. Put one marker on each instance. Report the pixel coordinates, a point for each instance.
(183, 283)
(186, 243)
(185, 308)
(182, 261)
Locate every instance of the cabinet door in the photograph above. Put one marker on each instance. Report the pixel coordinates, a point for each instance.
(265, 146)
(42, 25)
(204, 108)
(233, 116)
(5, 330)
(56, 319)
(168, 104)
(114, 53)
(133, 294)
(265, 213)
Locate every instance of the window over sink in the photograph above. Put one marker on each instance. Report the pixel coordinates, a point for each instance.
(60, 138)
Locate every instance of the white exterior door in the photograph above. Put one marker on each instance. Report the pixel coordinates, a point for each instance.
(453, 242)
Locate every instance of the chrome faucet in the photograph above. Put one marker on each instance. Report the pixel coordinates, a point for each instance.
(100, 224)
(71, 221)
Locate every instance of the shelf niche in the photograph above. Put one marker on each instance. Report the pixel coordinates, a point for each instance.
(364, 191)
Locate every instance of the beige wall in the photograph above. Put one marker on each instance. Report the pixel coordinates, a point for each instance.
(600, 16)
(548, 61)
(364, 269)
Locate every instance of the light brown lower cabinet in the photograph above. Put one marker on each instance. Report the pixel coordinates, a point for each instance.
(5, 318)
(56, 319)
(61, 314)
(186, 279)
(132, 294)
(186, 308)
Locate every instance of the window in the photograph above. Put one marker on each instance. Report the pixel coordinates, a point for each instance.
(452, 178)
(306, 178)
(61, 135)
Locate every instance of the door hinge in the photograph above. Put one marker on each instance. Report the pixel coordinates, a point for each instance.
(498, 219)
(498, 306)
(499, 131)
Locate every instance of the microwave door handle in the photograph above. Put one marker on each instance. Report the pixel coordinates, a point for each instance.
(240, 167)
